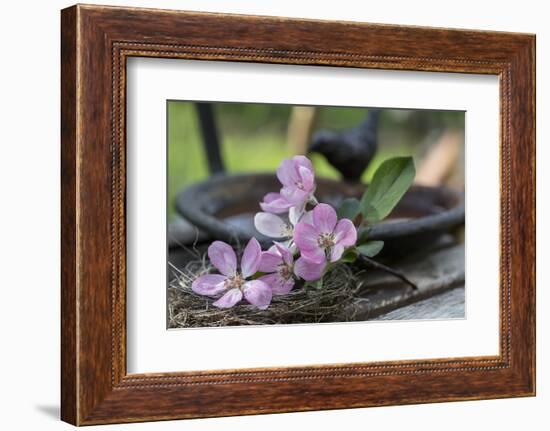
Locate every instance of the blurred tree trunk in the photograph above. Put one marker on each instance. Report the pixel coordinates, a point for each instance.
(443, 162)
(300, 128)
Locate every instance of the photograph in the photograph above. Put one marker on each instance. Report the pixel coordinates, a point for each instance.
(282, 214)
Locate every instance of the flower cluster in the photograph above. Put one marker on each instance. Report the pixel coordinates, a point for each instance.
(305, 243)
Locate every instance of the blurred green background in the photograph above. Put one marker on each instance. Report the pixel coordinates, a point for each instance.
(254, 137)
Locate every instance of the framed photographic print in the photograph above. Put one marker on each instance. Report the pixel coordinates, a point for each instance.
(269, 215)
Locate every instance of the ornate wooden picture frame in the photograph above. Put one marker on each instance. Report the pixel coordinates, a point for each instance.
(96, 41)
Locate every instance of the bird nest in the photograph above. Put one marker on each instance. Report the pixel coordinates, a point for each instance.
(328, 302)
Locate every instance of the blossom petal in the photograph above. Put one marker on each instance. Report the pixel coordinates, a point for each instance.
(271, 225)
(270, 261)
(287, 173)
(252, 255)
(278, 284)
(316, 255)
(272, 196)
(291, 246)
(258, 293)
(295, 213)
(306, 239)
(286, 254)
(295, 195)
(231, 297)
(209, 284)
(300, 160)
(324, 218)
(345, 233)
(298, 213)
(307, 217)
(336, 252)
(223, 258)
(309, 270)
(307, 178)
(275, 203)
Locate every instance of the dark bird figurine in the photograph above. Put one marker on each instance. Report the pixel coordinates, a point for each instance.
(349, 151)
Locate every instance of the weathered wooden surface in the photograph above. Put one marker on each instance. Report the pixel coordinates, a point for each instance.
(433, 271)
(446, 305)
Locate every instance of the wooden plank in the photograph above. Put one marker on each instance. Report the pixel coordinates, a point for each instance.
(432, 271)
(447, 305)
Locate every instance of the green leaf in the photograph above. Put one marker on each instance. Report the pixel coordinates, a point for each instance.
(363, 234)
(371, 248)
(389, 183)
(349, 208)
(349, 256)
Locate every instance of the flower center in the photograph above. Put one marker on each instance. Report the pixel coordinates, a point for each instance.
(300, 185)
(234, 282)
(285, 271)
(325, 240)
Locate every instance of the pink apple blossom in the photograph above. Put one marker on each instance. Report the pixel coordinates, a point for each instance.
(298, 180)
(233, 284)
(325, 238)
(278, 263)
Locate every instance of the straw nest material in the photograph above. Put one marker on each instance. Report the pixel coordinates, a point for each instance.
(304, 304)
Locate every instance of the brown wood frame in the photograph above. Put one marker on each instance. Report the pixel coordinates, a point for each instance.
(95, 43)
